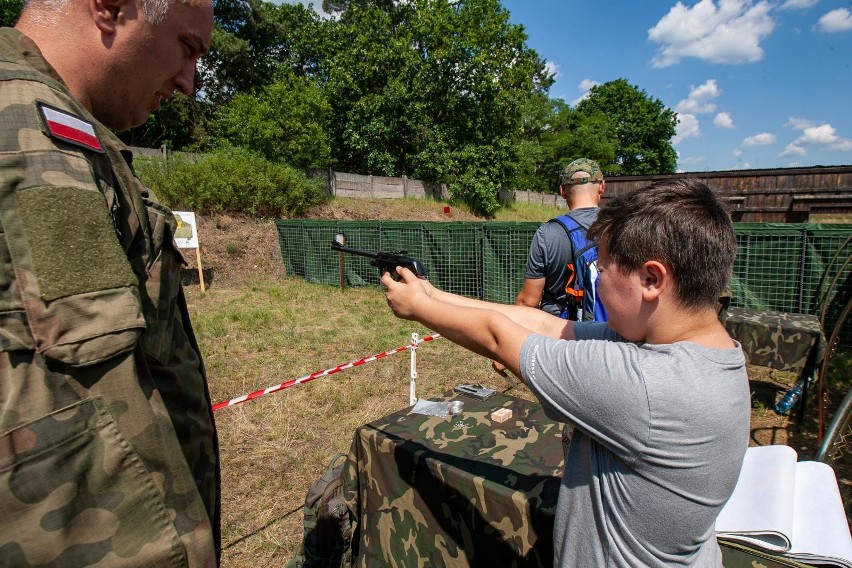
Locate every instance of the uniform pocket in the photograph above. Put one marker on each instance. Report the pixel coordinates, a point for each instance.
(74, 492)
(73, 280)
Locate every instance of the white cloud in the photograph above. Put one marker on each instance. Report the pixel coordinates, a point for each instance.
(585, 86)
(762, 139)
(823, 135)
(799, 123)
(687, 127)
(692, 161)
(798, 4)
(552, 68)
(699, 99)
(729, 33)
(792, 150)
(723, 120)
(839, 20)
(736, 153)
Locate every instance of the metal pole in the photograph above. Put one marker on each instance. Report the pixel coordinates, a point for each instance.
(415, 341)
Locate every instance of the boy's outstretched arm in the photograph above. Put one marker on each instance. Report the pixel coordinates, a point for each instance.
(482, 327)
(533, 319)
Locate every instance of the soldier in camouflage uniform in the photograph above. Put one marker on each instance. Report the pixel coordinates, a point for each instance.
(108, 450)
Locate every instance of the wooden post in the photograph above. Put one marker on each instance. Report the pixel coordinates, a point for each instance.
(198, 261)
(186, 237)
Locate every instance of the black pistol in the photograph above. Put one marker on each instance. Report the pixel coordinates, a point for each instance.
(384, 261)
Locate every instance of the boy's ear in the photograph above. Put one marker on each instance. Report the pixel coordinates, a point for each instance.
(654, 279)
(107, 14)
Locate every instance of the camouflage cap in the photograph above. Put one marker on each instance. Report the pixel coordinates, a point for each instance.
(581, 165)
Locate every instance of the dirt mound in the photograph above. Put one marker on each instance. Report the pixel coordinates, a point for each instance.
(234, 248)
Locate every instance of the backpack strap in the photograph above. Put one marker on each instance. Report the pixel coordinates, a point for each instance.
(571, 225)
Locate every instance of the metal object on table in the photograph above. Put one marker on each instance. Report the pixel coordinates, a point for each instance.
(476, 391)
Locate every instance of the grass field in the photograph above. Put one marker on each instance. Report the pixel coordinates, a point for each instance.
(273, 447)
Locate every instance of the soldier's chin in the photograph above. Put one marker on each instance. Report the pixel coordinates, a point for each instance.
(137, 119)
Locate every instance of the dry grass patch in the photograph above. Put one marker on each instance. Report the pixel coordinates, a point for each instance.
(271, 331)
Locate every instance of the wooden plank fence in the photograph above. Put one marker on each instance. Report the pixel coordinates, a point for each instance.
(788, 195)
(355, 185)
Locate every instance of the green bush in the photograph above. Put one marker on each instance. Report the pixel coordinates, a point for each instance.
(233, 180)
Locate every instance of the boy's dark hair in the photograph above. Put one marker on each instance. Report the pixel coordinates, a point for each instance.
(679, 223)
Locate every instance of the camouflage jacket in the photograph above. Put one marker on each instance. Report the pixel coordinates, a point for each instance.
(108, 450)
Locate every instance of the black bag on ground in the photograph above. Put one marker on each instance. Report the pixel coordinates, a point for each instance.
(328, 522)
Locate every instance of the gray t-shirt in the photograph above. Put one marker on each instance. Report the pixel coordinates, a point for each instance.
(660, 432)
(550, 252)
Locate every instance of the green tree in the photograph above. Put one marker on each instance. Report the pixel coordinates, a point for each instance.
(642, 126)
(284, 121)
(179, 125)
(255, 41)
(553, 135)
(432, 89)
(10, 11)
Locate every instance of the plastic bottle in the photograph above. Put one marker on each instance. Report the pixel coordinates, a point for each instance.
(790, 398)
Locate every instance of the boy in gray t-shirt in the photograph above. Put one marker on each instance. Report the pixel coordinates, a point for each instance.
(658, 396)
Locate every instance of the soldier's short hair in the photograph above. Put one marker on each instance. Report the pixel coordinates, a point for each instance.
(154, 11)
(680, 223)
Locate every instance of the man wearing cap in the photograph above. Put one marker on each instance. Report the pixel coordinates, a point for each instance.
(108, 448)
(581, 186)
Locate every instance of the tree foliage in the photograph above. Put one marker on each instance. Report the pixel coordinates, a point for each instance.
(254, 41)
(10, 11)
(284, 121)
(431, 89)
(555, 134)
(641, 125)
(255, 44)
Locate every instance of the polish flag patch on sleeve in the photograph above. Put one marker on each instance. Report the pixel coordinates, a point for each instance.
(69, 128)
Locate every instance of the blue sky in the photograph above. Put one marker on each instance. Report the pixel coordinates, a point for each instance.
(756, 84)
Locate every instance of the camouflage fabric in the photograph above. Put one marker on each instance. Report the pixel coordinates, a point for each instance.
(108, 450)
(456, 491)
(581, 165)
(780, 340)
(736, 555)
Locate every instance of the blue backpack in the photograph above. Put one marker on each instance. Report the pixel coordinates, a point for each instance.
(583, 303)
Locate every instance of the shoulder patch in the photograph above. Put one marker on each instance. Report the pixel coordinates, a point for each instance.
(69, 128)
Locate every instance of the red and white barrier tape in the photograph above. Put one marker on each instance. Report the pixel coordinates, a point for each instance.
(331, 371)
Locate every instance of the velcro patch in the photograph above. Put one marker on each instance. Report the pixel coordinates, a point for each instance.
(73, 245)
(69, 128)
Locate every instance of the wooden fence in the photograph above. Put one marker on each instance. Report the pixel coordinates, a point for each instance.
(354, 185)
(788, 195)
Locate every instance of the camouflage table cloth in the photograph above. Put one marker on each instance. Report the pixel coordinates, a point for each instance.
(456, 491)
(780, 340)
(464, 490)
